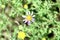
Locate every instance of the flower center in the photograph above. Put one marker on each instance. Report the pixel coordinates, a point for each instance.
(25, 6)
(29, 17)
(21, 35)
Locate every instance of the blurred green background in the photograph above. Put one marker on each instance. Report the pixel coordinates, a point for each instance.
(47, 19)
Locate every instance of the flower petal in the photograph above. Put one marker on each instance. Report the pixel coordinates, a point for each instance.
(33, 16)
(33, 20)
(29, 12)
(29, 22)
(25, 21)
(23, 16)
(32, 13)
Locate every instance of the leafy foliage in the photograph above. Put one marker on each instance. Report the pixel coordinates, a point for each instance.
(46, 19)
